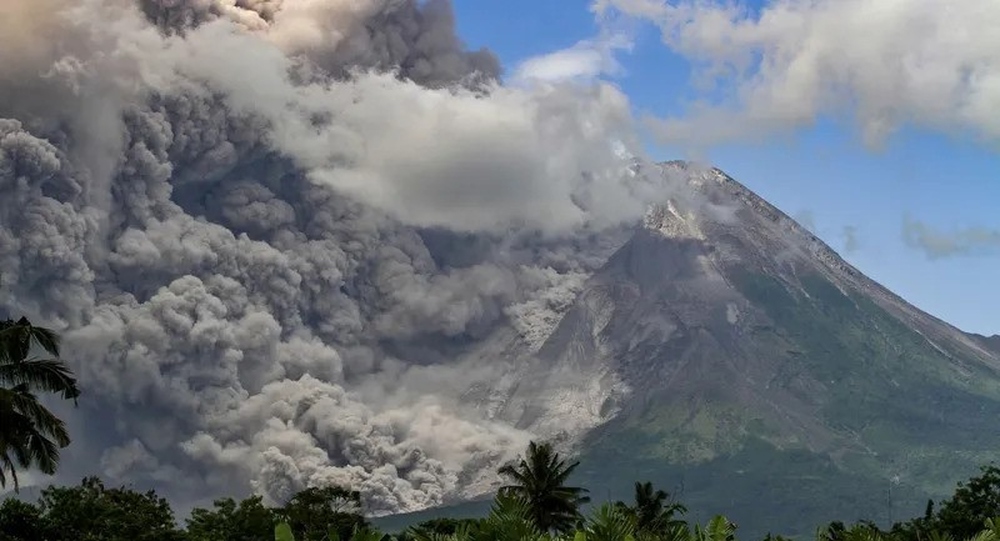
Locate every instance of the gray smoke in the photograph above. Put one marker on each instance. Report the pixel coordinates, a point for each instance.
(335, 36)
(851, 241)
(937, 243)
(284, 238)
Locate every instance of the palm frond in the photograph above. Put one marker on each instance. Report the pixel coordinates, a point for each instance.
(30, 435)
(6, 464)
(38, 416)
(43, 452)
(993, 526)
(985, 535)
(48, 375)
(719, 528)
(935, 535)
(16, 339)
(610, 523)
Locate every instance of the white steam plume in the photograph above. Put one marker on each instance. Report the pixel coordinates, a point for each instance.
(275, 235)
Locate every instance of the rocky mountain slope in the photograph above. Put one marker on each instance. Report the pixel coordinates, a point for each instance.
(726, 350)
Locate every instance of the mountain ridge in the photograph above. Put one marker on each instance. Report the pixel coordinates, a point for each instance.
(824, 251)
(723, 332)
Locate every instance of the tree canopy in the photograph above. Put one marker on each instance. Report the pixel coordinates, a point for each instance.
(539, 478)
(93, 511)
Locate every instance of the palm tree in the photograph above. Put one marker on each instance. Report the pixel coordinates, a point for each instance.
(30, 435)
(539, 479)
(608, 523)
(654, 510)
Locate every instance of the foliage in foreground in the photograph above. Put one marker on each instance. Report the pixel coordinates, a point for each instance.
(537, 504)
(92, 512)
(30, 434)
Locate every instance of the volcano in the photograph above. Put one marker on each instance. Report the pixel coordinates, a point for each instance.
(729, 355)
(351, 255)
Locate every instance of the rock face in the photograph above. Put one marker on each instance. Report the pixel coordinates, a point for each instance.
(992, 342)
(726, 350)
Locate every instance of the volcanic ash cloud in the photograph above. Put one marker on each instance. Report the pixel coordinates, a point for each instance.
(273, 232)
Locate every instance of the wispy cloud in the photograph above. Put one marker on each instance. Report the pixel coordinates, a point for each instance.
(579, 61)
(937, 244)
(584, 61)
(851, 241)
(806, 219)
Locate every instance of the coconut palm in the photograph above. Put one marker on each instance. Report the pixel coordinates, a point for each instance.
(653, 510)
(30, 435)
(539, 479)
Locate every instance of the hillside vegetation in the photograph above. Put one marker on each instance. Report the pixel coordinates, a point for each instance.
(537, 504)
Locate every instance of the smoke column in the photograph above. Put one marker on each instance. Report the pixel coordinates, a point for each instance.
(283, 239)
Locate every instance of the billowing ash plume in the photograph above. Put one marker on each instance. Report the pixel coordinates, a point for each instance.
(418, 41)
(283, 238)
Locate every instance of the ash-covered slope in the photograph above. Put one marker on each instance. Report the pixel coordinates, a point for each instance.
(739, 355)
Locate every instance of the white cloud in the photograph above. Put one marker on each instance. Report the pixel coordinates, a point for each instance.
(586, 60)
(574, 62)
(932, 63)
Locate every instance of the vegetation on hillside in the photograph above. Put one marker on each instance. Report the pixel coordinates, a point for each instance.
(538, 503)
(535, 507)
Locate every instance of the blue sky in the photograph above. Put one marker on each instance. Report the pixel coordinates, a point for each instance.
(824, 173)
